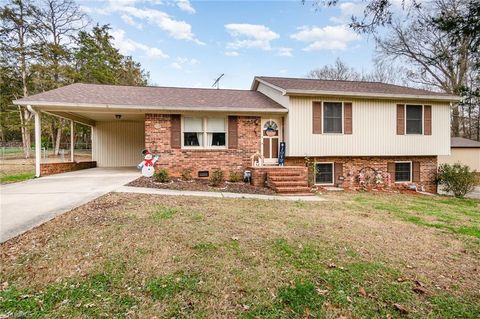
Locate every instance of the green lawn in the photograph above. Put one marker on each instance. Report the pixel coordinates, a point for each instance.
(144, 256)
(18, 177)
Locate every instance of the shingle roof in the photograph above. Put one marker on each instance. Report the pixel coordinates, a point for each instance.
(299, 84)
(154, 97)
(461, 142)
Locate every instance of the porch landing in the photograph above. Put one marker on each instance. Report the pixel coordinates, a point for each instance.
(285, 180)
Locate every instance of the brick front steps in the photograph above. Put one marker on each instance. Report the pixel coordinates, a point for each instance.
(284, 180)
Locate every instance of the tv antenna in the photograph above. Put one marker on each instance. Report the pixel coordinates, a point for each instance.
(217, 81)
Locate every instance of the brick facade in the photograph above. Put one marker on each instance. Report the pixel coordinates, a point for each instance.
(56, 168)
(353, 165)
(158, 140)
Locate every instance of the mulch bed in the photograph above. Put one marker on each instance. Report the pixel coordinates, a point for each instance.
(202, 186)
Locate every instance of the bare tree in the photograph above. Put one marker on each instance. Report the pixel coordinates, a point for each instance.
(338, 71)
(382, 72)
(16, 40)
(61, 20)
(431, 58)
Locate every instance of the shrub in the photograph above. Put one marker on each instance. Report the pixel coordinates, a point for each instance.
(162, 176)
(217, 177)
(235, 177)
(187, 174)
(457, 178)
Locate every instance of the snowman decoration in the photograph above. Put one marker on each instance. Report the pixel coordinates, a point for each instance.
(148, 164)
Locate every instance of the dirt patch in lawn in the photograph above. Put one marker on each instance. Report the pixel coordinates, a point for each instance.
(168, 256)
(201, 185)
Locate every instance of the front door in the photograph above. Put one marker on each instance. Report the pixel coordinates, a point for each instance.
(271, 137)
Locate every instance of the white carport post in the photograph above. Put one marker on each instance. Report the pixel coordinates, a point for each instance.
(38, 139)
(72, 140)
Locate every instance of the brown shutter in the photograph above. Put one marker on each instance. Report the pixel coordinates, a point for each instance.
(233, 132)
(175, 131)
(338, 170)
(416, 172)
(347, 118)
(400, 119)
(391, 170)
(427, 113)
(317, 117)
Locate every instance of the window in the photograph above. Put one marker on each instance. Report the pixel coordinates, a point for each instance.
(204, 132)
(193, 131)
(324, 173)
(332, 117)
(216, 131)
(414, 119)
(403, 172)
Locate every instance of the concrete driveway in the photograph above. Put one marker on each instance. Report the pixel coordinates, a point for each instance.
(28, 204)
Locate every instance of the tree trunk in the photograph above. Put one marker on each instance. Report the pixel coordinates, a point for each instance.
(58, 138)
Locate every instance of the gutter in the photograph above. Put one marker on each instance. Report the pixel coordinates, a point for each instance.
(446, 98)
(144, 108)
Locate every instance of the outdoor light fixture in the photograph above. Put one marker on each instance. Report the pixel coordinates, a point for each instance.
(118, 116)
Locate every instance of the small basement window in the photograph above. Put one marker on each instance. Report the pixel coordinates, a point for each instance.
(324, 173)
(403, 172)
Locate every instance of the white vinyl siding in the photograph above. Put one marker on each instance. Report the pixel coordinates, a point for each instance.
(374, 134)
(118, 143)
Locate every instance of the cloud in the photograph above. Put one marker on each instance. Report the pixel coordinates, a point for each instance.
(177, 29)
(129, 20)
(232, 53)
(186, 6)
(250, 36)
(347, 10)
(325, 38)
(180, 63)
(284, 52)
(128, 46)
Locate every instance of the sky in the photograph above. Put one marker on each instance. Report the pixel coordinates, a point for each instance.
(190, 43)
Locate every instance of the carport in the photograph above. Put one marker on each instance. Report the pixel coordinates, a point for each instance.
(118, 131)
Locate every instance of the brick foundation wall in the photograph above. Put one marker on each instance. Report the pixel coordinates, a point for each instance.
(157, 140)
(56, 168)
(353, 165)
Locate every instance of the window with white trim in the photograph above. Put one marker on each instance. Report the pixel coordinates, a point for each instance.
(332, 117)
(324, 173)
(403, 171)
(204, 132)
(414, 116)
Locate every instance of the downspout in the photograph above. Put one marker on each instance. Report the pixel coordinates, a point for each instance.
(38, 139)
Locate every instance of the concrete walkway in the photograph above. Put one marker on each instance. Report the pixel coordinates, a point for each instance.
(171, 192)
(27, 204)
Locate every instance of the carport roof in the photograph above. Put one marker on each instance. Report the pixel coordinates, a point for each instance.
(153, 98)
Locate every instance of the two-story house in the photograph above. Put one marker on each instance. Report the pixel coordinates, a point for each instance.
(340, 128)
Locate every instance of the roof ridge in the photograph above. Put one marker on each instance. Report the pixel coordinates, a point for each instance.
(158, 86)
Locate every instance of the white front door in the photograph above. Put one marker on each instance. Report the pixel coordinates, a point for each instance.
(271, 138)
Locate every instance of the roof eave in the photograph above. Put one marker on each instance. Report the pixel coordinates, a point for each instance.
(145, 108)
(256, 81)
(446, 98)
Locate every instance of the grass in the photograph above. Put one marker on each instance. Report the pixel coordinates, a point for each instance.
(461, 216)
(16, 177)
(143, 256)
